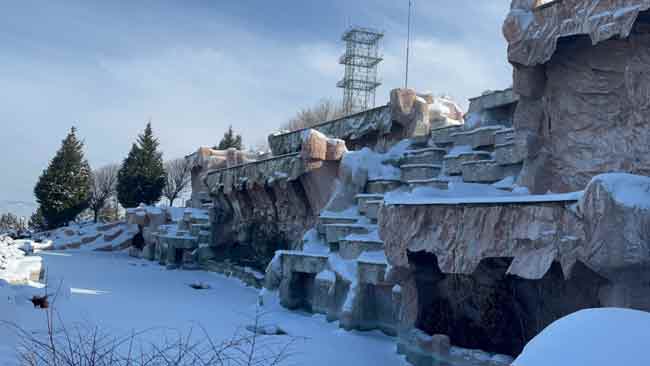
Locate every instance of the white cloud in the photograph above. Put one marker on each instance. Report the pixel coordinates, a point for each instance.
(193, 91)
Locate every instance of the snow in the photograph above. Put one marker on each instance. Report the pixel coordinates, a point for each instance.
(313, 244)
(627, 189)
(350, 212)
(375, 257)
(458, 150)
(15, 266)
(91, 236)
(176, 213)
(594, 337)
(122, 294)
(373, 163)
(326, 275)
(460, 193)
(346, 269)
(373, 236)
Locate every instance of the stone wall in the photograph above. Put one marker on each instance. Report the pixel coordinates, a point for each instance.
(492, 108)
(581, 70)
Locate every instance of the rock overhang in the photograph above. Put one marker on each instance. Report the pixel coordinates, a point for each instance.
(533, 30)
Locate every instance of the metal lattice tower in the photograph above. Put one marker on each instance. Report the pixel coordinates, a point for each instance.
(361, 59)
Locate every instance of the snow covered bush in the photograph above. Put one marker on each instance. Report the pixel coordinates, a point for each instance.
(88, 345)
(594, 337)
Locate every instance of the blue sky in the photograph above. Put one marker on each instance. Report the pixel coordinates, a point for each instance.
(193, 67)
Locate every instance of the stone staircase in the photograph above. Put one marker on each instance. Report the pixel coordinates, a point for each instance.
(362, 298)
(483, 155)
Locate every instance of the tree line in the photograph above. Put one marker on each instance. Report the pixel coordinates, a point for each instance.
(68, 187)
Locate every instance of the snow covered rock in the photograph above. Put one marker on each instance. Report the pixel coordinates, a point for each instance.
(410, 111)
(594, 337)
(15, 266)
(616, 209)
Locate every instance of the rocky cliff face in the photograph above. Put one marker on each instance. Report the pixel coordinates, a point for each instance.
(268, 205)
(472, 270)
(584, 93)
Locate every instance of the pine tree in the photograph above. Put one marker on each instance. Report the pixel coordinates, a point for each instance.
(62, 190)
(142, 176)
(230, 140)
(37, 221)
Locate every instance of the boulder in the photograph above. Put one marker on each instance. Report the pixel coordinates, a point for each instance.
(335, 149)
(314, 145)
(616, 210)
(410, 111)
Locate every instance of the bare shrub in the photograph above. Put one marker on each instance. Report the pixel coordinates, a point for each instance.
(89, 345)
(179, 176)
(323, 111)
(103, 188)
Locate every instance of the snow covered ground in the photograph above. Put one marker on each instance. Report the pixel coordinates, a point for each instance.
(15, 266)
(122, 294)
(594, 337)
(91, 236)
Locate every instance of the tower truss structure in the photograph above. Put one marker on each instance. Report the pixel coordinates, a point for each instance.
(361, 60)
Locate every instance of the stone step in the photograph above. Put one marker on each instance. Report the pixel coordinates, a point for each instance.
(205, 236)
(363, 199)
(372, 268)
(420, 171)
(329, 220)
(504, 136)
(381, 186)
(418, 142)
(372, 209)
(509, 153)
(487, 171)
(195, 229)
(334, 233)
(453, 163)
(436, 183)
(352, 248)
(430, 155)
(442, 136)
(479, 137)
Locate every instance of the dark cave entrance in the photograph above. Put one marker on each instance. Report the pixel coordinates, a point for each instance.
(302, 290)
(495, 312)
(138, 239)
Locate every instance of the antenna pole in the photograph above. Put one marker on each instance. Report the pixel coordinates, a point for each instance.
(408, 46)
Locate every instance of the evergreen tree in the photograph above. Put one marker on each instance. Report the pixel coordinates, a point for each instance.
(230, 140)
(37, 221)
(62, 190)
(142, 176)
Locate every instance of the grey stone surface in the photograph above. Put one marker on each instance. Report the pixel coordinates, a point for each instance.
(353, 129)
(476, 138)
(334, 233)
(431, 155)
(533, 32)
(352, 249)
(454, 163)
(487, 171)
(585, 97)
(382, 186)
(419, 171)
(510, 153)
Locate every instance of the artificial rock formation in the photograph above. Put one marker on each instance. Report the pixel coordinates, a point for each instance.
(206, 159)
(268, 205)
(472, 269)
(581, 71)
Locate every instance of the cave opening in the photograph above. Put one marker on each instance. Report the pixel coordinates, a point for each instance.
(302, 290)
(493, 311)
